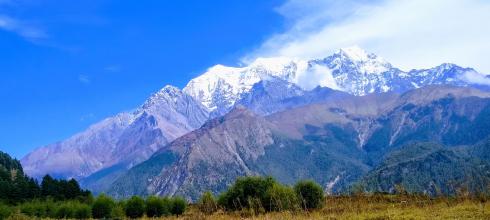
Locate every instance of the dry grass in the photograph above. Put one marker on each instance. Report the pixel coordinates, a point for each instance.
(372, 207)
(362, 207)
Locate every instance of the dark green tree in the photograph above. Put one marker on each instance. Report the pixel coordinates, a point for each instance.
(310, 194)
(49, 187)
(247, 192)
(102, 207)
(135, 207)
(15, 186)
(282, 198)
(157, 207)
(178, 206)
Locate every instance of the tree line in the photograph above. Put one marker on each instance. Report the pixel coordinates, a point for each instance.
(16, 187)
(65, 199)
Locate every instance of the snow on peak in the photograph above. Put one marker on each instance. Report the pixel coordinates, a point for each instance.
(273, 64)
(170, 88)
(364, 62)
(355, 53)
(168, 95)
(221, 86)
(350, 69)
(168, 91)
(221, 69)
(446, 66)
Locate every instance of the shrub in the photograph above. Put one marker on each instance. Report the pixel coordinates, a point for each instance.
(102, 207)
(40, 209)
(50, 208)
(178, 206)
(5, 211)
(36, 209)
(246, 193)
(310, 194)
(167, 206)
(65, 211)
(28, 209)
(157, 207)
(118, 212)
(135, 207)
(83, 211)
(207, 203)
(282, 198)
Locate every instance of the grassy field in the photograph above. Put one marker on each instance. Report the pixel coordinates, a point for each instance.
(372, 207)
(361, 207)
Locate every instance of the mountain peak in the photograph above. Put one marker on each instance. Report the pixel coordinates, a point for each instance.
(355, 53)
(221, 69)
(274, 64)
(170, 88)
(168, 92)
(447, 66)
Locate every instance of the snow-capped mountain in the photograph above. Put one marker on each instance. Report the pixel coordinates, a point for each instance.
(220, 87)
(335, 143)
(130, 138)
(357, 72)
(351, 70)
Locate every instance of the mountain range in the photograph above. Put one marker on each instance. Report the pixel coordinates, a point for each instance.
(331, 119)
(333, 142)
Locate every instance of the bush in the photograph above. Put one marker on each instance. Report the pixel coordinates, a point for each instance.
(65, 211)
(282, 198)
(55, 210)
(118, 212)
(310, 194)
(178, 206)
(29, 210)
(49, 207)
(207, 203)
(157, 207)
(135, 207)
(38, 209)
(5, 211)
(83, 211)
(246, 193)
(102, 207)
(167, 206)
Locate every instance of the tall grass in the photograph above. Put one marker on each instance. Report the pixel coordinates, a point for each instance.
(370, 206)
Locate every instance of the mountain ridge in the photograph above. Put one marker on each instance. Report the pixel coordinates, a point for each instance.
(325, 141)
(269, 84)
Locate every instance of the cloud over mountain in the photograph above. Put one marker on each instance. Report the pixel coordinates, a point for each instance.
(414, 34)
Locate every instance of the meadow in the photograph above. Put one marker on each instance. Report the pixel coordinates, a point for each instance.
(371, 207)
(251, 197)
(355, 207)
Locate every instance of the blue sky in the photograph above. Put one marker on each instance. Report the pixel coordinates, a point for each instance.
(66, 64)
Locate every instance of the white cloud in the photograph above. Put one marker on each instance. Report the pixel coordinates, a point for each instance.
(476, 78)
(408, 33)
(316, 75)
(89, 116)
(112, 68)
(83, 79)
(21, 28)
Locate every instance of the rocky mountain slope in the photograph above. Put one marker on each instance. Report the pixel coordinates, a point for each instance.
(107, 149)
(121, 141)
(432, 169)
(335, 143)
